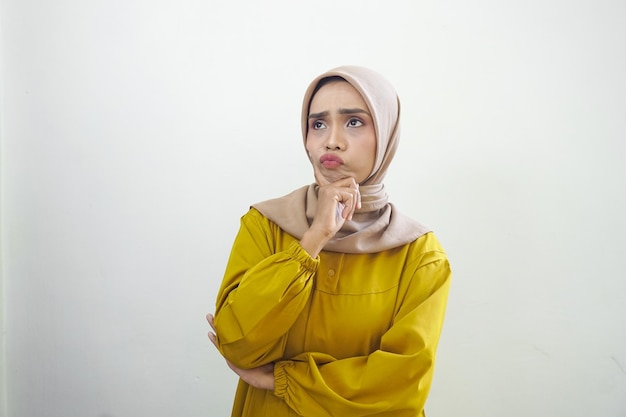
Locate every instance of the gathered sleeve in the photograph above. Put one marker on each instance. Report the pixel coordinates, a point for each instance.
(262, 294)
(395, 379)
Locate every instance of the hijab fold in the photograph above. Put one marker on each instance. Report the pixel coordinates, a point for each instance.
(377, 225)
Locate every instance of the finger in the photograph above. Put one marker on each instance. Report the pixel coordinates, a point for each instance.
(350, 201)
(353, 188)
(213, 338)
(211, 321)
(357, 195)
(340, 208)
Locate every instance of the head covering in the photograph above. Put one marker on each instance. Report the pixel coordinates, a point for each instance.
(377, 225)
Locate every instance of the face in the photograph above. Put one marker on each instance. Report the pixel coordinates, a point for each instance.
(341, 139)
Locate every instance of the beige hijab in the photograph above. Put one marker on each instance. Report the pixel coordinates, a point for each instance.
(377, 225)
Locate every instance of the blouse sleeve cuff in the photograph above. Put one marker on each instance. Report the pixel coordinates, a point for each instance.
(299, 254)
(280, 378)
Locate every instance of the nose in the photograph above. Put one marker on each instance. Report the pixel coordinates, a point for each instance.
(334, 140)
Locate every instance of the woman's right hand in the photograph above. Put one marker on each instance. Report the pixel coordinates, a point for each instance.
(336, 203)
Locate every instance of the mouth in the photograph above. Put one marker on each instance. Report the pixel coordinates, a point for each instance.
(331, 161)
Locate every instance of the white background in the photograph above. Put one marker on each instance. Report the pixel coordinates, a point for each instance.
(135, 133)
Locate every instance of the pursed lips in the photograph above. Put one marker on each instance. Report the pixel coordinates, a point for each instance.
(331, 161)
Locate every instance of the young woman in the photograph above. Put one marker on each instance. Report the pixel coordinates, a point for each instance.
(333, 301)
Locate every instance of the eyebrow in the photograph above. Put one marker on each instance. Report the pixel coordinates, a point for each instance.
(340, 111)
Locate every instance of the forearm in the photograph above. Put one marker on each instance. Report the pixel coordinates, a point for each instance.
(261, 307)
(382, 383)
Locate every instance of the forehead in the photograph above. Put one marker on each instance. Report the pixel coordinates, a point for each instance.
(337, 93)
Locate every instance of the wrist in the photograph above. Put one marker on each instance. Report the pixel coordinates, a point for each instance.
(313, 241)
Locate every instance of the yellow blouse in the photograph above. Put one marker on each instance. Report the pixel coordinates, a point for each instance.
(349, 334)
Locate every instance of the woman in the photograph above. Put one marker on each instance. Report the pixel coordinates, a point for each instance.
(332, 302)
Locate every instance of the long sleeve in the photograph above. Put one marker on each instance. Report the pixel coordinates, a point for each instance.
(262, 293)
(393, 380)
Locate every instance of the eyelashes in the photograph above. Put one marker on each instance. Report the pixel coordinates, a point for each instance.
(317, 125)
(352, 123)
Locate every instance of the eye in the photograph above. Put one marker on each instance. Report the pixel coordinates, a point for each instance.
(317, 124)
(355, 123)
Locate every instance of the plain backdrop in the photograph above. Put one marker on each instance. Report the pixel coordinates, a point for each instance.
(135, 133)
